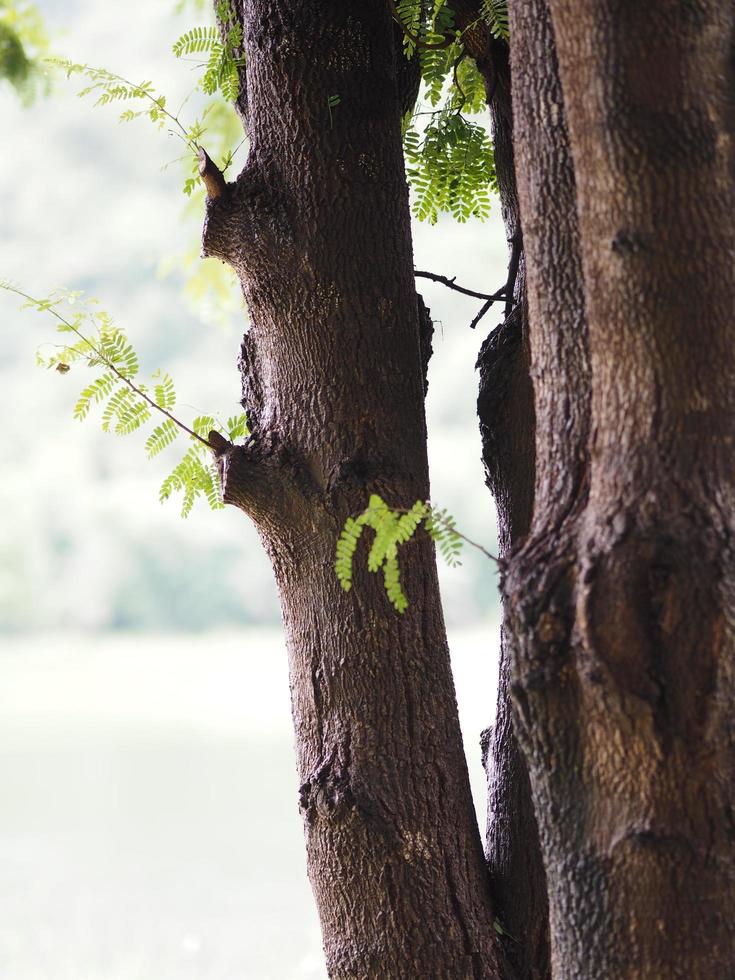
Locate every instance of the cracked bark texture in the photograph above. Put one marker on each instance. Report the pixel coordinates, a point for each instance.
(317, 228)
(622, 598)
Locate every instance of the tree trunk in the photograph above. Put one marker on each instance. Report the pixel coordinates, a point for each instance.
(622, 599)
(317, 228)
(507, 425)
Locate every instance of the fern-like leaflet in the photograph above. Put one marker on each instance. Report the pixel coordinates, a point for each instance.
(163, 435)
(495, 15)
(223, 47)
(126, 403)
(394, 527)
(196, 41)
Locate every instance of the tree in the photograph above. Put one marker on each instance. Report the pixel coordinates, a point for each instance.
(606, 408)
(619, 597)
(333, 379)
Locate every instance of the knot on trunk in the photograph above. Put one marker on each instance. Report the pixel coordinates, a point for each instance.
(328, 791)
(262, 480)
(247, 223)
(650, 619)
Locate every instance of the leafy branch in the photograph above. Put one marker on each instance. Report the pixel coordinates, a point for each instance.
(394, 527)
(111, 87)
(221, 74)
(126, 403)
(450, 161)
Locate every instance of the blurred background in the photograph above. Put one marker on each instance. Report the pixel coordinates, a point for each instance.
(148, 796)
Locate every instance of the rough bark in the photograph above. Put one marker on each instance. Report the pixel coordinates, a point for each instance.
(622, 598)
(506, 414)
(317, 228)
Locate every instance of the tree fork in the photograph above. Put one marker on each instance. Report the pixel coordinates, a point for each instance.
(333, 372)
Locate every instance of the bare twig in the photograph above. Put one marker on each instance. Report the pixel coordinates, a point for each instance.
(451, 284)
(483, 310)
(489, 298)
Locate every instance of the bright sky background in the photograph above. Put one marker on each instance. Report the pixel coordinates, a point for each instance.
(148, 824)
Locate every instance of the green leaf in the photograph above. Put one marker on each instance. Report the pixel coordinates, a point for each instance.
(495, 14)
(441, 527)
(203, 425)
(346, 547)
(195, 41)
(393, 529)
(93, 394)
(120, 398)
(193, 478)
(164, 392)
(131, 417)
(163, 435)
(237, 427)
(392, 579)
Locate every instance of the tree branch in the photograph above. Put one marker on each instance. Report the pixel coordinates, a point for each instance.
(264, 482)
(451, 284)
(110, 364)
(489, 298)
(483, 310)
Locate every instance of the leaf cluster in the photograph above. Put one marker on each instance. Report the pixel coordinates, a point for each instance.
(450, 160)
(393, 528)
(451, 168)
(222, 47)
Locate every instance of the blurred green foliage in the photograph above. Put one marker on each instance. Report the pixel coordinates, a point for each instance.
(23, 44)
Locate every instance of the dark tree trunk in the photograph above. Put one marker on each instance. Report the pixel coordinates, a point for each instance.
(506, 414)
(622, 599)
(317, 228)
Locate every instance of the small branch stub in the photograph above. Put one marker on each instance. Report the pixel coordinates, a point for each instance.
(218, 443)
(210, 173)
